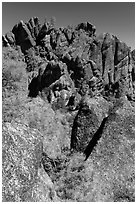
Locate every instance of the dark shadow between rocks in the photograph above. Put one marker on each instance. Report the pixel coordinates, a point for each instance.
(95, 139)
(33, 88)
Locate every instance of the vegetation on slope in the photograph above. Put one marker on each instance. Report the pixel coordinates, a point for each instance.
(107, 175)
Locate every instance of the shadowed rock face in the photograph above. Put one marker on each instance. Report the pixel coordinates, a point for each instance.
(97, 64)
(23, 36)
(88, 86)
(87, 122)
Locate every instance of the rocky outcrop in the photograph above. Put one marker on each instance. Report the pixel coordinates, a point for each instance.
(113, 156)
(5, 41)
(79, 105)
(22, 149)
(10, 38)
(88, 127)
(97, 65)
(114, 63)
(23, 176)
(54, 81)
(88, 27)
(34, 27)
(87, 121)
(23, 36)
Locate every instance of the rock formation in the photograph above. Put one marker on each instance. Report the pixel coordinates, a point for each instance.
(92, 79)
(22, 174)
(96, 64)
(91, 113)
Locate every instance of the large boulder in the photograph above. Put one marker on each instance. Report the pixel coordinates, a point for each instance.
(113, 158)
(5, 42)
(24, 179)
(54, 70)
(53, 81)
(44, 30)
(34, 26)
(88, 27)
(87, 121)
(62, 89)
(10, 38)
(22, 150)
(23, 36)
(111, 59)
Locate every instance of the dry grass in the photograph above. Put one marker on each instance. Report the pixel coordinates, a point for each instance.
(108, 174)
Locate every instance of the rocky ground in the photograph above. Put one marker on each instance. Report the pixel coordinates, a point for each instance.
(68, 115)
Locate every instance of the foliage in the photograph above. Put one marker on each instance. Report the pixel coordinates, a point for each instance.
(12, 53)
(108, 174)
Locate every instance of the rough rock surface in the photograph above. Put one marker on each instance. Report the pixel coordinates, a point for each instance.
(87, 121)
(10, 38)
(52, 125)
(78, 101)
(116, 153)
(23, 36)
(22, 149)
(97, 64)
(23, 178)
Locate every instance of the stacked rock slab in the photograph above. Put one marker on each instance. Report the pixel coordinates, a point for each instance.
(97, 65)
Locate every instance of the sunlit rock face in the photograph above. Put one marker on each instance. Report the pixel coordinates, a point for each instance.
(96, 64)
(68, 130)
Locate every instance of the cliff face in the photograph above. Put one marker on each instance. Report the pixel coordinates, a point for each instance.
(78, 104)
(91, 64)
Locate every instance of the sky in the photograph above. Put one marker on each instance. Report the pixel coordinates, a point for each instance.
(117, 18)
